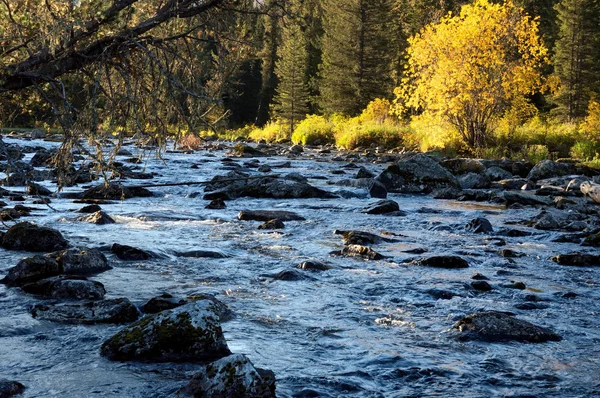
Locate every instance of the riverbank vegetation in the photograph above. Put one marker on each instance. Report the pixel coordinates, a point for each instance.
(515, 79)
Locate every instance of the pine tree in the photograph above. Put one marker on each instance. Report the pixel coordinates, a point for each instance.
(577, 56)
(268, 56)
(357, 56)
(291, 100)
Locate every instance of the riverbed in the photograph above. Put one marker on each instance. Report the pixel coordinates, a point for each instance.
(361, 329)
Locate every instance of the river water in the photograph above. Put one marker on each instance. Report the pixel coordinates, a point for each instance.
(361, 329)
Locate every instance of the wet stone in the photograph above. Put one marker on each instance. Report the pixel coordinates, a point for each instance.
(493, 326)
(67, 287)
(361, 251)
(482, 286)
(480, 226)
(190, 333)
(313, 266)
(162, 303)
(116, 311)
(440, 294)
(98, 218)
(30, 237)
(443, 262)
(267, 215)
(479, 277)
(361, 237)
(232, 376)
(577, 259)
(515, 285)
(217, 204)
(272, 224)
(10, 388)
(290, 275)
(201, 254)
(89, 209)
(129, 253)
(381, 207)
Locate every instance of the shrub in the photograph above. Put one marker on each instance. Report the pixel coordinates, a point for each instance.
(353, 134)
(428, 132)
(590, 128)
(585, 150)
(535, 153)
(271, 132)
(378, 110)
(314, 129)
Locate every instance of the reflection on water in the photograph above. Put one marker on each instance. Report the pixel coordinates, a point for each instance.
(361, 329)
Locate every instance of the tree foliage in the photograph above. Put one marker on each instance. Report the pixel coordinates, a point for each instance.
(471, 67)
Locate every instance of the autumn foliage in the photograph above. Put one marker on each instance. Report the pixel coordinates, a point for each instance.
(470, 68)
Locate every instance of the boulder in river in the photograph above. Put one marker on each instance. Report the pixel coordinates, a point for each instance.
(67, 287)
(8, 388)
(115, 192)
(382, 207)
(89, 209)
(37, 190)
(162, 303)
(361, 251)
(493, 326)
(591, 190)
(448, 261)
(30, 237)
(377, 190)
(233, 376)
(480, 225)
(526, 199)
(129, 253)
(32, 269)
(416, 172)
(549, 168)
(119, 310)
(272, 224)
(592, 240)
(267, 215)
(474, 181)
(81, 261)
(361, 237)
(98, 218)
(191, 333)
(313, 266)
(577, 259)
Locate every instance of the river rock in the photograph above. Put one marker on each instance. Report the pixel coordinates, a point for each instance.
(496, 173)
(381, 207)
(361, 237)
(10, 388)
(313, 266)
(267, 187)
(481, 286)
(30, 237)
(81, 261)
(188, 333)
(512, 197)
(89, 209)
(511, 183)
(267, 215)
(474, 181)
(577, 259)
(446, 261)
(201, 254)
(364, 173)
(377, 190)
(129, 253)
(480, 225)
(592, 240)
(232, 377)
(272, 224)
(459, 166)
(217, 204)
(37, 190)
(118, 310)
(115, 191)
(416, 172)
(98, 218)
(162, 303)
(42, 158)
(549, 219)
(361, 251)
(290, 275)
(549, 168)
(32, 269)
(67, 287)
(493, 326)
(591, 190)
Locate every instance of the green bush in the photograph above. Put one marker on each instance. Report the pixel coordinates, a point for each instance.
(271, 132)
(314, 129)
(354, 134)
(535, 153)
(585, 150)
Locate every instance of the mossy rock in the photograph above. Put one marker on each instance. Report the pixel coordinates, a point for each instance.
(190, 333)
(232, 377)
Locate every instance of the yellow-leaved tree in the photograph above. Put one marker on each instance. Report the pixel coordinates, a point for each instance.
(470, 68)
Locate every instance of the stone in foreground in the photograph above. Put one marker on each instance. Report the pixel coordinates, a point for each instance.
(443, 262)
(493, 326)
(30, 237)
(190, 333)
(232, 377)
(9, 388)
(577, 259)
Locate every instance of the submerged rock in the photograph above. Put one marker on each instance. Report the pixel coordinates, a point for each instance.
(162, 303)
(89, 209)
(267, 215)
(30, 237)
(480, 225)
(9, 388)
(443, 262)
(118, 310)
(188, 333)
(217, 204)
(290, 275)
(129, 253)
(67, 287)
(361, 237)
(361, 251)
(232, 377)
(200, 254)
(495, 326)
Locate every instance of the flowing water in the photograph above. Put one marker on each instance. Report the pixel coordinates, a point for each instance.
(361, 329)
